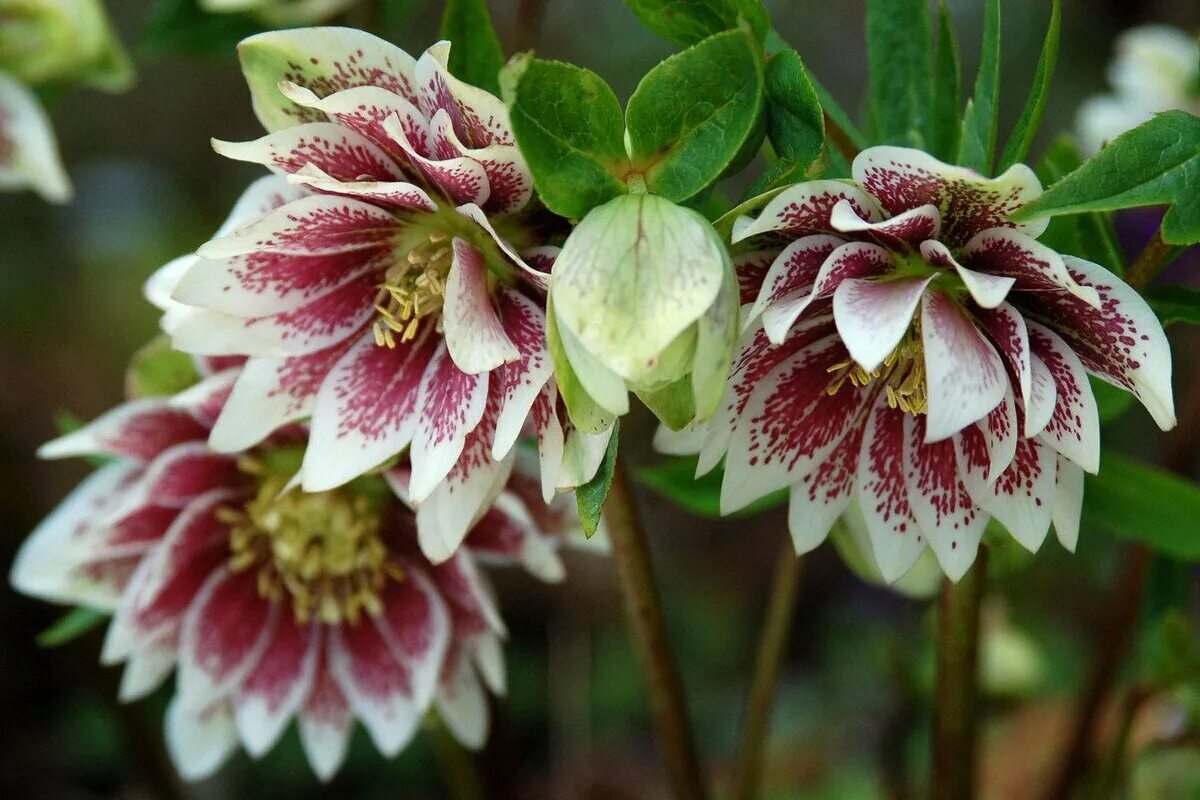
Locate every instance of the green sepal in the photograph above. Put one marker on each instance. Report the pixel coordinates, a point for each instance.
(590, 497)
(157, 370)
(672, 404)
(71, 626)
(583, 411)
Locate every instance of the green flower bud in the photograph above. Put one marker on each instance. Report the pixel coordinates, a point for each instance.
(62, 41)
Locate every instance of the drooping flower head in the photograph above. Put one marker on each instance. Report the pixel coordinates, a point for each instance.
(60, 42)
(274, 604)
(1156, 68)
(281, 13)
(377, 283)
(908, 347)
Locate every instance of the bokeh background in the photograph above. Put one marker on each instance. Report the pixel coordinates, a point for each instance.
(852, 712)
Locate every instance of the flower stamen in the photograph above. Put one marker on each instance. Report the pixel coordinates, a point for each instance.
(323, 550)
(413, 288)
(902, 375)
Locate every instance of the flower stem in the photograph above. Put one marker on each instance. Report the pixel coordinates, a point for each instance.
(1151, 261)
(631, 555)
(771, 647)
(458, 766)
(1123, 608)
(955, 723)
(841, 140)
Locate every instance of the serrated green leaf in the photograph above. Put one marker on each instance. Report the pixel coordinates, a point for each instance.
(686, 22)
(690, 115)
(157, 370)
(675, 479)
(1156, 163)
(590, 497)
(977, 145)
(795, 120)
(900, 61)
(71, 626)
(180, 26)
(1144, 504)
(476, 56)
(785, 172)
(1021, 138)
(1088, 236)
(569, 126)
(1175, 304)
(947, 90)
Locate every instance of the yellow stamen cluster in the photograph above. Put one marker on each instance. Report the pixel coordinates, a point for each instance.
(323, 549)
(413, 288)
(902, 374)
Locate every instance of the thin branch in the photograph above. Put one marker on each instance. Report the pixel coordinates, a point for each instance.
(955, 723)
(1151, 261)
(771, 648)
(631, 556)
(841, 140)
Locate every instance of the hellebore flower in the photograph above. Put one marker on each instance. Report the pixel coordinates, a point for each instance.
(910, 348)
(643, 297)
(1156, 68)
(281, 13)
(49, 42)
(375, 282)
(273, 603)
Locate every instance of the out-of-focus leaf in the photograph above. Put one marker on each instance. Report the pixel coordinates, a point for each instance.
(686, 22)
(947, 90)
(180, 26)
(591, 496)
(900, 61)
(1021, 138)
(1144, 504)
(1156, 163)
(675, 479)
(1088, 236)
(1175, 303)
(476, 56)
(977, 145)
(689, 117)
(1111, 402)
(158, 370)
(71, 626)
(1171, 650)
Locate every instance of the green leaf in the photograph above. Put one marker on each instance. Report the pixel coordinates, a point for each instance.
(675, 479)
(71, 626)
(900, 60)
(1111, 402)
(476, 56)
(569, 126)
(1171, 650)
(947, 89)
(1089, 236)
(785, 172)
(1175, 304)
(690, 115)
(1156, 163)
(590, 497)
(180, 26)
(1021, 138)
(978, 141)
(795, 121)
(157, 370)
(1144, 504)
(686, 22)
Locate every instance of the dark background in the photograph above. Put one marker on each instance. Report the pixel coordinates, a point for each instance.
(852, 711)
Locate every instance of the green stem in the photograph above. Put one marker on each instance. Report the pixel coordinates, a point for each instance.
(631, 556)
(955, 724)
(458, 766)
(771, 648)
(1156, 255)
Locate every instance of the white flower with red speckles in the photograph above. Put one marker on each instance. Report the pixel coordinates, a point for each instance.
(375, 281)
(907, 346)
(28, 148)
(276, 604)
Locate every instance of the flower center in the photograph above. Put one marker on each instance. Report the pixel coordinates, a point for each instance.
(322, 549)
(902, 375)
(413, 288)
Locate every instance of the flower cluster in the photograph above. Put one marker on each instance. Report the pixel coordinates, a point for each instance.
(908, 347)
(274, 604)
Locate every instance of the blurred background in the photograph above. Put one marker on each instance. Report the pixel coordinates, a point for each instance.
(852, 713)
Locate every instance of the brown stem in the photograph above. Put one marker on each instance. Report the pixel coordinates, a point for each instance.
(1154, 256)
(530, 16)
(1123, 609)
(458, 766)
(631, 556)
(955, 728)
(771, 648)
(841, 140)
(1113, 773)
